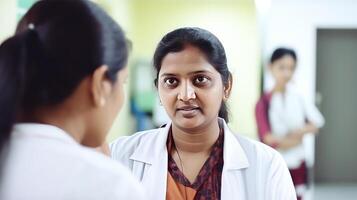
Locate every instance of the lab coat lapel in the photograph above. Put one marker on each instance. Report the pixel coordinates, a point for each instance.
(235, 161)
(150, 159)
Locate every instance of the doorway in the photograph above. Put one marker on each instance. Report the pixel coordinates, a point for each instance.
(336, 145)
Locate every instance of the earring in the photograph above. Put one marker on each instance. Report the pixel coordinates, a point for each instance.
(225, 97)
(102, 102)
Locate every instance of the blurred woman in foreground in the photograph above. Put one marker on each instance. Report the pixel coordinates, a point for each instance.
(61, 83)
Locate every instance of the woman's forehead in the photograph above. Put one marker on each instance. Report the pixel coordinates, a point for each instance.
(187, 61)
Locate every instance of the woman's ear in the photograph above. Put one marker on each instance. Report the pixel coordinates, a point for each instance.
(100, 86)
(228, 88)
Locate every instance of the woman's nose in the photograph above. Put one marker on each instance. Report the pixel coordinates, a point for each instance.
(187, 92)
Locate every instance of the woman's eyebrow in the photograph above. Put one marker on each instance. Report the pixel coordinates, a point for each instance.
(200, 72)
(168, 74)
(190, 73)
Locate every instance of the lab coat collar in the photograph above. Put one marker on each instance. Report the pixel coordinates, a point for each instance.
(38, 130)
(233, 154)
(150, 151)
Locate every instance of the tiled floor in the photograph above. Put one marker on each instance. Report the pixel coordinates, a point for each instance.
(333, 191)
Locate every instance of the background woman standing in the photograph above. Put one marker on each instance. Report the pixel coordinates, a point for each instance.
(283, 117)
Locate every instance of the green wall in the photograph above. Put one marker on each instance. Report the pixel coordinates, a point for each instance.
(23, 6)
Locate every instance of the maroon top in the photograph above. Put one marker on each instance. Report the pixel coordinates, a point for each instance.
(208, 181)
(262, 116)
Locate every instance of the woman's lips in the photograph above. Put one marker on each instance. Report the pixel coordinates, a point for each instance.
(188, 111)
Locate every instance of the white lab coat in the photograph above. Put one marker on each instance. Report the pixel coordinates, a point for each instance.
(44, 162)
(288, 112)
(251, 171)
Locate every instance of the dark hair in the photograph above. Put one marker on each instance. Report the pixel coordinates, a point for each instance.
(56, 45)
(208, 43)
(281, 52)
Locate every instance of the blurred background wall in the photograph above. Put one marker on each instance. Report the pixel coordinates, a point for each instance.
(295, 23)
(8, 10)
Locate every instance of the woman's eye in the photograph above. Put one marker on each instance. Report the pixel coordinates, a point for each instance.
(170, 81)
(201, 80)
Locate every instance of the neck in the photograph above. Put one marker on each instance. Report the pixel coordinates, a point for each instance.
(198, 141)
(279, 88)
(60, 117)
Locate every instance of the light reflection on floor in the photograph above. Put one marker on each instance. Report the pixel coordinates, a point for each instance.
(333, 191)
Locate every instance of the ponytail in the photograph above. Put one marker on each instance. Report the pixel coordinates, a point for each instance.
(13, 59)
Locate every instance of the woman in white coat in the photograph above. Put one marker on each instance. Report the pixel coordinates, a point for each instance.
(196, 156)
(284, 118)
(61, 83)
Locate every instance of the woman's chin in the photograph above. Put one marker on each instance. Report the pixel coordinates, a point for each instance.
(191, 123)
